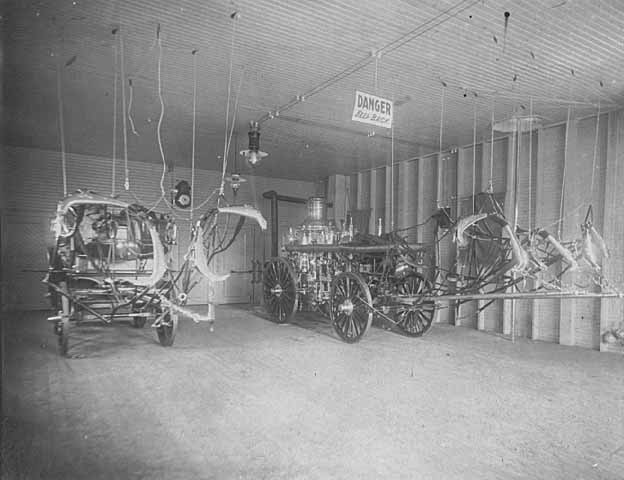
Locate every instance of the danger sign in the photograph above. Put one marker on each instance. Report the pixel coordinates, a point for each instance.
(372, 110)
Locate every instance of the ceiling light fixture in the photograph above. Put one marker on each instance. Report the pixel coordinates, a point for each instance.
(253, 154)
(235, 180)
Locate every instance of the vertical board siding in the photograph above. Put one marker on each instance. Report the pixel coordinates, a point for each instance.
(407, 201)
(435, 180)
(426, 195)
(612, 310)
(377, 199)
(546, 313)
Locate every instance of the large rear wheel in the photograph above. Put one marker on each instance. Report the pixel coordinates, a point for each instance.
(350, 308)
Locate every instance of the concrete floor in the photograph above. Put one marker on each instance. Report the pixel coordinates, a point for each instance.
(256, 400)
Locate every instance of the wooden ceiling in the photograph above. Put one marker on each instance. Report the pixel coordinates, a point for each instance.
(450, 66)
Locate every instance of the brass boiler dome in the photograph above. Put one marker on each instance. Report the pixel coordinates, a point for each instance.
(317, 214)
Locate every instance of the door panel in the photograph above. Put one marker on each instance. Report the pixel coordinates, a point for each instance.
(24, 261)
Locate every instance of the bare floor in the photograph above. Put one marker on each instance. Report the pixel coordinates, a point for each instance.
(256, 400)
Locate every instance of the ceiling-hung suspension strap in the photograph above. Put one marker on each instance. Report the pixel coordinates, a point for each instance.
(565, 158)
(474, 151)
(490, 188)
(194, 123)
(441, 181)
(131, 87)
(59, 97)
(530, 159)
(234, 17)
(392, 174)
(595, 153)
(123, 107)
(114, 173)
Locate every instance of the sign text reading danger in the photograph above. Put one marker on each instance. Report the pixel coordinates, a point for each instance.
(372, 109)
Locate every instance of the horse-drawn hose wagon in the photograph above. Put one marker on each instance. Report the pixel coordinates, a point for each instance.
(112, 261)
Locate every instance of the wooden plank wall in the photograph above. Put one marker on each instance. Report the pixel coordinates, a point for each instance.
(33, 184)
(562, 169)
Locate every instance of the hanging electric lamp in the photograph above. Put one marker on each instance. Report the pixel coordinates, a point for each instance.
(253, 154)
(235, 178)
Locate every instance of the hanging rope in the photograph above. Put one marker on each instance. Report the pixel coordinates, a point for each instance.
(161, 116)
(123, 101)
(131, 87)
(234, 17)
(193, 145)
(392, 175)
(474, 151)
(441, 181)
(114, 174)
(565, 157)
(491, 180)
(227, 150)
(59, 97)
(595, 152)
(518, 135)
(530, 159)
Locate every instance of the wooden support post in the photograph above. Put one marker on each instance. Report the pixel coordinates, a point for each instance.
(570, 227)
(510, 196)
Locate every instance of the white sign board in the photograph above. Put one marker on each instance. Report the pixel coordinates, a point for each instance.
(372, 109)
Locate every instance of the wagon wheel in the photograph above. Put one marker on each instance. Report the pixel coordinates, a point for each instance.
(167, 329)
(350, 310)
(62, 330)
(548, 262)
(416, 319)
(484, 262)
(280, 290)
(138, 322)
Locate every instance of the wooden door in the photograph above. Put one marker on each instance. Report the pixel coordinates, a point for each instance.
(25, 239)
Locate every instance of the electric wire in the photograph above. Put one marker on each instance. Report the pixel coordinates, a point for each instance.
(161, 116)
(114, 173)
(227, 107)
(474, 151)
(565, 158)
(59, 97)
(123, 100)
(416, 32)
(227, 152)
(441, 181)
(131, 87)
(491, 180)
(392, 176)
(530, 208)
(193, 139)
(595, 152)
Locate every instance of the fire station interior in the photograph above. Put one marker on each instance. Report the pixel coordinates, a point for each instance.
(254, 239)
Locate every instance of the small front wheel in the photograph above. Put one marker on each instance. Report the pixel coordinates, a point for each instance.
(415, 319)
(167, 329)
(138, 322)
(62, 330)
